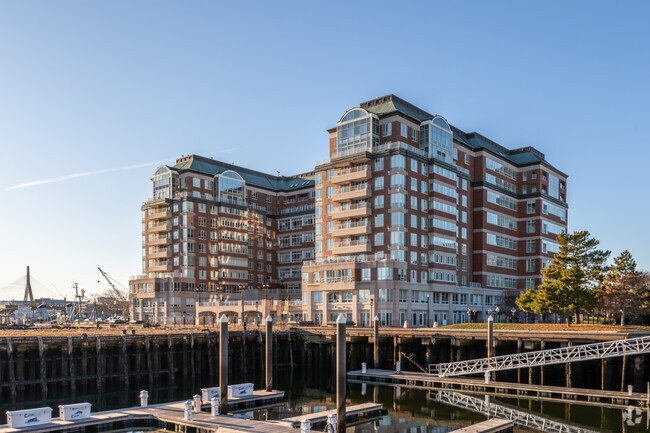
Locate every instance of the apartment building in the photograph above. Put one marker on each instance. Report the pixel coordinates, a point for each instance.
(410, 219)
(420, 222)
(214, 232)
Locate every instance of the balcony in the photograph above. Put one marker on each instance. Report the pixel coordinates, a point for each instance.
(351, 174)
(352, 193)
(160, 240)
(160, 267)
(354, 247)
(353, 211)
(159, 214)
(352, 229)
(161, 227)
(163, 253)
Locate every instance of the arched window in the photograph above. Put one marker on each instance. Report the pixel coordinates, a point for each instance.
(358, 130)
(162, 183)
(230, 187)
(437, 138)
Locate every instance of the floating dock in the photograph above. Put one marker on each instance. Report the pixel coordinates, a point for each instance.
(359, 412)
(432, 382)
(489, 426)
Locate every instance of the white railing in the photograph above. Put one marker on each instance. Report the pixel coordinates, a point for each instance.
(329, 280)
(351, 244)
(345, 189)
(352, 225)
(338, 209)
(498, 411)
(608, 349)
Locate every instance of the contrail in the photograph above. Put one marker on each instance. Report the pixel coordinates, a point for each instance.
(94, 172)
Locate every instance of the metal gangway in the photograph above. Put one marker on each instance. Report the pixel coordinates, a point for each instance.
(586, 352)
(498, 411)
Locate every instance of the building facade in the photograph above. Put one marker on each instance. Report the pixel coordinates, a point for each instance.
(218, 233)
(410, 219)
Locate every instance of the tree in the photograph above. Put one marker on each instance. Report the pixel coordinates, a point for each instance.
(623, 288)
(570, 280)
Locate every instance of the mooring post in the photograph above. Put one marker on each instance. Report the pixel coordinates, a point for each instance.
(187, 412)
(170, 358)
(125, 361)
(305, 426)
(541, 368)
(197, 403)
(223, 365)
(375, 334)
(341, 373)
(269, 353)
(214, 406)
(144, 398)
(490, 337)
(149, 363)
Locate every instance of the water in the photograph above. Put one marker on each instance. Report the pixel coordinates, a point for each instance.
(409, 410)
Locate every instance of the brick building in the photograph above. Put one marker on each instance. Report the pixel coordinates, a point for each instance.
(410, 219)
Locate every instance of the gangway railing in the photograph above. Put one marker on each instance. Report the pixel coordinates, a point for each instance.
(494, 410)
(586, 352)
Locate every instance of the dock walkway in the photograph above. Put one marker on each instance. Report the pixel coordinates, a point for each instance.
(428, 381)
(169, 413)
(364, 410)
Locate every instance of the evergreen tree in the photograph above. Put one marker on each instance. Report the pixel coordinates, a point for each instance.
(570, 280)
(623, 288)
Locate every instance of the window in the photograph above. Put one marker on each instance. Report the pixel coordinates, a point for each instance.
(398, 201)
(386, 129)
(397, 219)
(397, 239)
(414, 135)
(379, 202)
(530, 226)
(414, 184)
(530, 265)
(397, 181)
(329, 192)
(530, 206)
(398, 161)
(404, 130)
(384, 274)
(379, 239)
(379, 164)
(365, 274)
(414, 221)
(414, 243)
(196, 182)
(530, 246)
(379, 220)
(414, 202)
(466, 159)
(402, 295)
(414, 166)
(379, 183)
(385, 295)
(530, 283)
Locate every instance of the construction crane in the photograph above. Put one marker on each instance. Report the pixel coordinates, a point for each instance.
(109, 280)
(120, 296)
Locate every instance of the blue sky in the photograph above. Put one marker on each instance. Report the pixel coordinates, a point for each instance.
(97, 94)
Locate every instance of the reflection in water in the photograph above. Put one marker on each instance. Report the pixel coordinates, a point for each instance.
(409, 410)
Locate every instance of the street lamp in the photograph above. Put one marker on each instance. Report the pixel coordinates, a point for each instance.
(428, 308)
(497, 310)
(513, 311)
(474, 314)
(372, 301)
(469, 315)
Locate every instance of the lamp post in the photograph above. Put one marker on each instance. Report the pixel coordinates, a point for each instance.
(474, 315)
(497, 311)
(428, 309)
(513, 311)
(372, 301)
(469, 315)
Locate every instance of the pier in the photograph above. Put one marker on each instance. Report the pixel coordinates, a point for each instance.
(555, 393)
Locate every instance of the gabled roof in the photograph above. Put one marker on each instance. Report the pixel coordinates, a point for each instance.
(251, 177)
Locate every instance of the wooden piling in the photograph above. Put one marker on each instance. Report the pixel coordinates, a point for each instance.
(208, 345)
(223, 365)
(125, 362)
(375, 334)
(98, 361)
(43, 366)
(71, 369)
(12, 367)
(170, 358)
(341, 374)
(269, 353)
(147, 345)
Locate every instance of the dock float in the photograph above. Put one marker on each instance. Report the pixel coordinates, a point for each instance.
(429, 381)
(489, 426)
(353, 413)
(168, 416)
